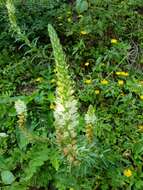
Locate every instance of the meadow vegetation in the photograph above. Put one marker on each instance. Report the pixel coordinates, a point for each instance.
(71, 95)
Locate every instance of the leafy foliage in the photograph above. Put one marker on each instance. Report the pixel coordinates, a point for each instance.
(103, 43)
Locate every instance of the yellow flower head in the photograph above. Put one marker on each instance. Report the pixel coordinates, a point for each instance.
(39, 79)
(83, 32)
(118, 73)
(114, 41)
(120, 82)
(88, 81)
(52, 106)
(86, 64)
(127, 173)
(104, 82)
(141, 97)
(122, 73)
(140, 127)
(125, 74)
(97, 91)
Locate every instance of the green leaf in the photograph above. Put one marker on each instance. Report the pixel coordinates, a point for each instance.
(81, 6)
(22, 139)
(55, 160)
(3, 165)
(55, 163)
(7, 177)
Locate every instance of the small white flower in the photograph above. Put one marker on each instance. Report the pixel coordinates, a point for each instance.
(3, 135)
(20, 107)
(59, 108)
(90, 117)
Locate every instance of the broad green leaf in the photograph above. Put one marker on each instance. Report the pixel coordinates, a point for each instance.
(7, 177)
(81, 5)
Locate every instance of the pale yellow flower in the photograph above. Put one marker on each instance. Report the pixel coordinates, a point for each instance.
(88, 81)
(140, 127)
(86, 64)
(114, 41)
(118, 73)
(97, 91)
(52, 106)
(104, 82)
(127, 173)
(20, 107)
(141, 97)
(83, 32)
(39, 79)
(120, 82)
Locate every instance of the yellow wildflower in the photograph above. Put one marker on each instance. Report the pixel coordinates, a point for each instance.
(127, 173)
(140, 127)
(88, 81)
(114, 41)
(52, 106)
(86, 64)
(104, 82)
(39, 79)
(125, 74)
(141, 97)
(122, 73)
(120, 82)
(97, 91)
(83, 32)
(118, 73)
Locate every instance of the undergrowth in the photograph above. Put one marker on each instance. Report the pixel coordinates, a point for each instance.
(71, 115)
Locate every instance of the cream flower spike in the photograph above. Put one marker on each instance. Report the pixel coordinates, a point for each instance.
(20, 107)
(90, 117)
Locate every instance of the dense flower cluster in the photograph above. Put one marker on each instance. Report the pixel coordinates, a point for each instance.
(13, 22)
(65, 112)
(90, 120)
(21, 110)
